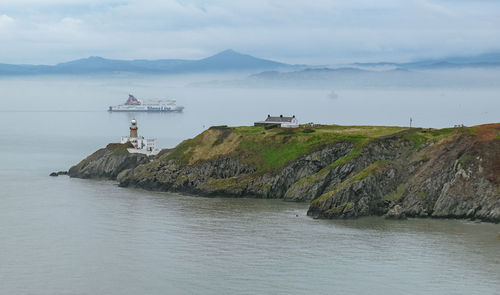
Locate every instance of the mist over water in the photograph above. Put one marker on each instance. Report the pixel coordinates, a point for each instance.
(71, 236)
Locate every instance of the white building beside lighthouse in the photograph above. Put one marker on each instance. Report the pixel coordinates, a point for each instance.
(141, 145)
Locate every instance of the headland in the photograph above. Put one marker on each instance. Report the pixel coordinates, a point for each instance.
(343, 171)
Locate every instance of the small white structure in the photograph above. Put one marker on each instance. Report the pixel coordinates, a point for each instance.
(141, 145)
(283, 122)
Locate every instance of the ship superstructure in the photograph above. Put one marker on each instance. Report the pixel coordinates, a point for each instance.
(135, 105)
(141, 145)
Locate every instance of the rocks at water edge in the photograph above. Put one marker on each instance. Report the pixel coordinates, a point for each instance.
(396, 212)
(108, 162)
(58, 173)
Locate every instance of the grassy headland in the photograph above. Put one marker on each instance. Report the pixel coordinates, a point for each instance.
(271, 149)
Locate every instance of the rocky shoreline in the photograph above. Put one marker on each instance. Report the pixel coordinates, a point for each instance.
(343, 171)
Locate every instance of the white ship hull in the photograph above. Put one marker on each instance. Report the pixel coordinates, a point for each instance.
(146, 108)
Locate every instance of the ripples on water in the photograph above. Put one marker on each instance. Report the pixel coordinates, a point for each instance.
(71, 236)
(64, 235)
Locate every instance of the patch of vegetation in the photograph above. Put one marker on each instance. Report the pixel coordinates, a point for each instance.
(323, 172)
(369, 171)
(181, 179)
(348, 206)
(225, 132)
(416, 137)
(275, 152)
(181, 152)
(120, 149)
(272, 126)
(374, 168)
(421, 136)
(470, 130)
(466, 160)
(279, 147)
(222, 183)
(341, 208)
(219, 127)
(397, 194)
(227, 183)
(441, 132)
(163, 152)
(268, 150)
(144, 174)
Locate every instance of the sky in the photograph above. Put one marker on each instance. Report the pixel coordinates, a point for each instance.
(292, 31)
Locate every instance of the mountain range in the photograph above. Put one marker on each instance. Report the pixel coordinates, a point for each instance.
(486, 60)
(229, 60)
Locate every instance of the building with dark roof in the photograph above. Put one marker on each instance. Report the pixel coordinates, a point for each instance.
(281, 121)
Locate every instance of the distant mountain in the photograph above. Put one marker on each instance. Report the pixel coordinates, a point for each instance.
(308, 74)
(487, 60)
(232, 60)
(351, 77)
(228, 60)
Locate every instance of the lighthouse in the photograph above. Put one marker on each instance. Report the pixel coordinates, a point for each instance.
(140, 144)
(133, 129)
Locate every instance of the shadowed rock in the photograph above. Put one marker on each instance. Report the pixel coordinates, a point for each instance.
(108, 162)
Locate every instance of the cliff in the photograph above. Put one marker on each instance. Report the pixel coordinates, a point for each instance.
(344, 171)
(107, 162)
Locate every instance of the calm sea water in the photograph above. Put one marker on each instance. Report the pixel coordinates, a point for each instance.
(72, 236)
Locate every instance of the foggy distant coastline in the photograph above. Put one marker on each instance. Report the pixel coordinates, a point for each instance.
(474, 71)
(230, 60)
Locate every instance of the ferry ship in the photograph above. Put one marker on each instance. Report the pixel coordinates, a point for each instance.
(135, 105)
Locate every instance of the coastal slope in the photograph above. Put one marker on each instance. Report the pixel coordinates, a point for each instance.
(344, 171)
(108, 162)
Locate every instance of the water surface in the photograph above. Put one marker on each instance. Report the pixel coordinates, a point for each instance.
(72, 236)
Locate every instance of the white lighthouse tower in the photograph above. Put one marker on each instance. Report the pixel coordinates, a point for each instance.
(141, 145)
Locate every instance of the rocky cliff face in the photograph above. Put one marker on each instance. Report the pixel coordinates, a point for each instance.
(344, 171)
(230, 176)
(456, 176)
(107, 162)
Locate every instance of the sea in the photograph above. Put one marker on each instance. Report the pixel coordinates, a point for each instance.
(60, 235)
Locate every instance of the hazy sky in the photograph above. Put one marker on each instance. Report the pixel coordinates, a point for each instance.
(295, 31)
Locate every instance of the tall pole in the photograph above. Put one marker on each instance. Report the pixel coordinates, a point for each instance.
(410, 121)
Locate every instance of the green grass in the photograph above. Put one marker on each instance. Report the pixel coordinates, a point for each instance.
(275, 153)
(323, 172)
(120, 149)
(269, 150)
(441, 132)
(181, 152)
(369, 171)
(416, 137)
(471, 130)
(420, 136)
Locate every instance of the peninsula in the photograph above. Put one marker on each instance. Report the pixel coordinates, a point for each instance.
(343, 171)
